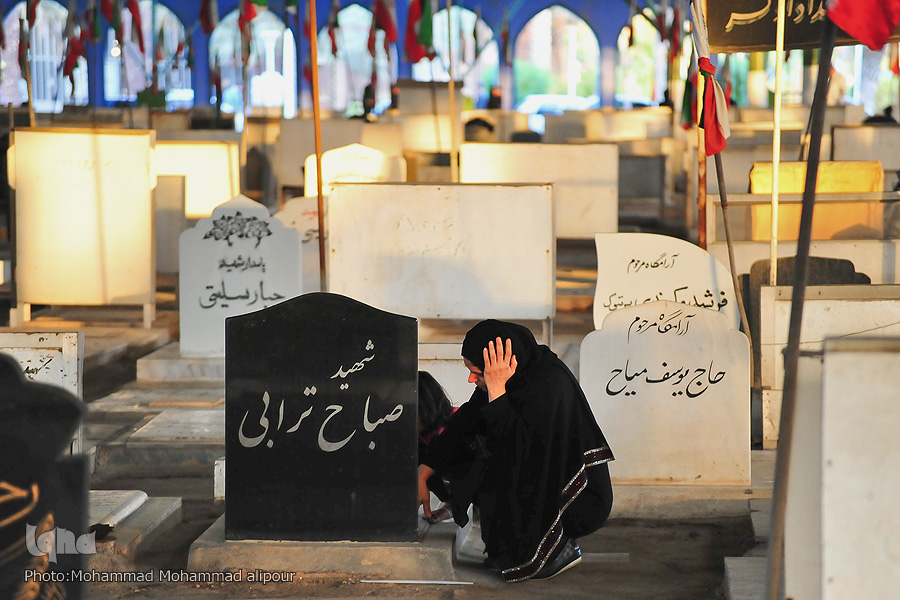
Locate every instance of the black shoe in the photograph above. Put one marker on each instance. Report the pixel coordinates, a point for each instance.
(568, 557)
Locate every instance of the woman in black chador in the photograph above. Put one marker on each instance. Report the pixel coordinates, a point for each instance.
(527, 451)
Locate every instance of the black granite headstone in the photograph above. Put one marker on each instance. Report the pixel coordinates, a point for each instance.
(44, 545)
(320, 422)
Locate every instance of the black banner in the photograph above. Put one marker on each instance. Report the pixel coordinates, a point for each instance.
(750, 25)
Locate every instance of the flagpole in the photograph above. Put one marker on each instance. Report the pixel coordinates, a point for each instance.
(775, 574)
(454, 152)
(32, 120)
(317, 127)
(776, 145)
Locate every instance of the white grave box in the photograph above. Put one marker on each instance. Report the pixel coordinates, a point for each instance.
(636, 268)
(297, 140)
(353, 162)
(239, 260)
(50, 357)
(302, 215)
(211, 170)
(84, 217)
(444, 251)
(670, 386)
(168, 200)
(860, 462)
(585, 179)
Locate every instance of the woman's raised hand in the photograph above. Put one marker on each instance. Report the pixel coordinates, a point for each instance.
(499, 366)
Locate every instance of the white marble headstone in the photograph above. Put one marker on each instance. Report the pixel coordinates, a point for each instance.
(302, 214)
(239, 260)
(355, 163)
(670, 386)
(635, 268)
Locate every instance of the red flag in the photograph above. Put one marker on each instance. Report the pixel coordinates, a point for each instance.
(31, 12)
(675, 38)
(308, 22)
(23, 48)
(307, 71)
(371, 44)
(92, 21)
(209, 15)
(475, 32)
(137, 29)
(414, 50)
(385, 15)
(333, 24)
(505, 46)
(74, 44)
(870, 21)
(713, 133)
(247, 13)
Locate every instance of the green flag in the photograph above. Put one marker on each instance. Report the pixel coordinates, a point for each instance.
(426, 26)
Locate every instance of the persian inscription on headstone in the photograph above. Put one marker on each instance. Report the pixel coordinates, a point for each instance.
(237, 261)
(43, 498)
(302, 215)
(636, 268)
(320, 422)
(670, 385)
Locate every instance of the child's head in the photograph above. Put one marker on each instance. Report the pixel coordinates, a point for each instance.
(434, 406)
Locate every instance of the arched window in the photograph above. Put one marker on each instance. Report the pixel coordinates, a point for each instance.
(50, 89)
(343, 78)
(271, 73)
(641, 71)
(124, 77)
(479, 73)
(556, 53)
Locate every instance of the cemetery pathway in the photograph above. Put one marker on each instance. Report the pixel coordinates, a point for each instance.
(628, 559)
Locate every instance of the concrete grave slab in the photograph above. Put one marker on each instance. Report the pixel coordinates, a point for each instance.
(202, 425)
(237, 261)
(353, 162)
(111, 506)
(302, 215)
(670, 386)
(636, 268)
(860, 462)
(296, 141)
(585, 179)
(50, 357)
(444, 251)
(211, 170)
(83, 227)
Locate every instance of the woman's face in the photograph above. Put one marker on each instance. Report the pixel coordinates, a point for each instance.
(476, 375)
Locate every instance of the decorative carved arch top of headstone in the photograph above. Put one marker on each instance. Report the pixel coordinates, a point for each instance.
(236, 261)
(636, 268)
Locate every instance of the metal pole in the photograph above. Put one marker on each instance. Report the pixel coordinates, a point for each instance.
(723, 200)
(454, 144)
(317, 127)
(776, 145)
(775, 575)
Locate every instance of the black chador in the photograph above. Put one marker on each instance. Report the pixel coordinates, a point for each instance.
(533, 460)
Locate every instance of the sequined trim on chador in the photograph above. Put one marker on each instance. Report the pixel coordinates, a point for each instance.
(554, 535)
